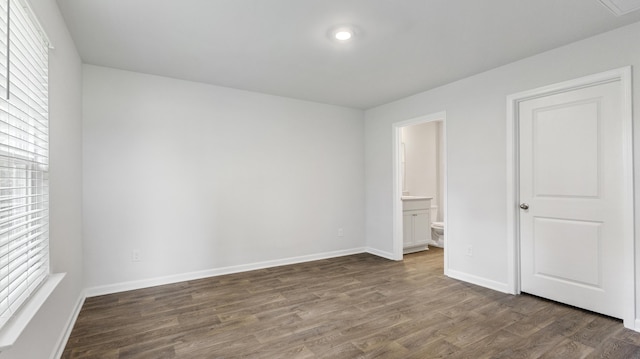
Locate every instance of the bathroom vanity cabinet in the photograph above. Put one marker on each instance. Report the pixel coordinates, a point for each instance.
(416, 223)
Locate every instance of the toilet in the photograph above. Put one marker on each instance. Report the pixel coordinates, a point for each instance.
(437, 234)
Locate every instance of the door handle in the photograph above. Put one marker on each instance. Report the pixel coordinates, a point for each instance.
(524, 206)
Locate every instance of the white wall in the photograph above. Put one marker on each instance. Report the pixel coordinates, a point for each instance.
(45, 331)
(476, 147)
(421, 159)
(198, 177)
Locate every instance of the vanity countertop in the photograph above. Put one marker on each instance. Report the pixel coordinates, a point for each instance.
(414, 198)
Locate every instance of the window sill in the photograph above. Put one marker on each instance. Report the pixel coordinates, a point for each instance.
(14, 327)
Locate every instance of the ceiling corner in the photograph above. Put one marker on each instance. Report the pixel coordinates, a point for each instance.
(621, 7)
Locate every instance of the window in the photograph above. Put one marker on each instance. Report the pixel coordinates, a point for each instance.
(24, 157)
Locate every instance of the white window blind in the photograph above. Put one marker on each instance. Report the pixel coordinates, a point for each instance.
(24, 157)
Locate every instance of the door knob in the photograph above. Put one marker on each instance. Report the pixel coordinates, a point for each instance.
(524, 206)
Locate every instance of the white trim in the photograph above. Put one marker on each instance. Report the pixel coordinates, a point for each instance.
(397, 181)
(379, 253)
(64, 337)
(637, 327)
(629, 212)
(445, 194)
(396, 207)
(152, 282)
(14, 327)
(622, 75)
(483, 282)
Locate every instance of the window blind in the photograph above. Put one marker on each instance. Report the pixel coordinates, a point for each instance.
(24, 157)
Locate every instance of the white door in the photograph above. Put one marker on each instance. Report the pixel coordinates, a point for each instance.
(407, 229)
(421, 227)
(571, 180)
(416, 228)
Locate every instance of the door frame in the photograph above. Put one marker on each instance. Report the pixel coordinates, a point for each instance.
(397, 179)
(623, 76)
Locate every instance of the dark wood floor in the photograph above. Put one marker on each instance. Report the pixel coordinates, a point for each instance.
(359, 306)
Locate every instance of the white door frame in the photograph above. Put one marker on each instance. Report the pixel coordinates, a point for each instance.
(623, 76)
(397, 178)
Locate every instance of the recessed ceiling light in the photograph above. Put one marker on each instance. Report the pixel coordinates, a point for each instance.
(344, 33)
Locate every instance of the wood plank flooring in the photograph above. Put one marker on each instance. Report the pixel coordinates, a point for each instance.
(358, 306)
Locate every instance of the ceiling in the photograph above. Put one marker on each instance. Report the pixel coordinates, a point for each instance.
(282, 47)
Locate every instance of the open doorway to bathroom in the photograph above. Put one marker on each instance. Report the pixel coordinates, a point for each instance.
(420, 184)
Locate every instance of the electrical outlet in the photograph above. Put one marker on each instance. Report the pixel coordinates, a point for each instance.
(135, 255)
(340, 232)
(470, 251)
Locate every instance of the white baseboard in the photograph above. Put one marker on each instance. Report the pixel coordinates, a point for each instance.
(379, 253)
(637, 328)
(483, 282)
(62, 341)
(152, 282)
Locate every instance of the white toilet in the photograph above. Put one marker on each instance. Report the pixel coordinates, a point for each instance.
(437, 234)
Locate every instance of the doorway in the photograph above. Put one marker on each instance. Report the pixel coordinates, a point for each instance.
(399, 185)
(570, 193)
